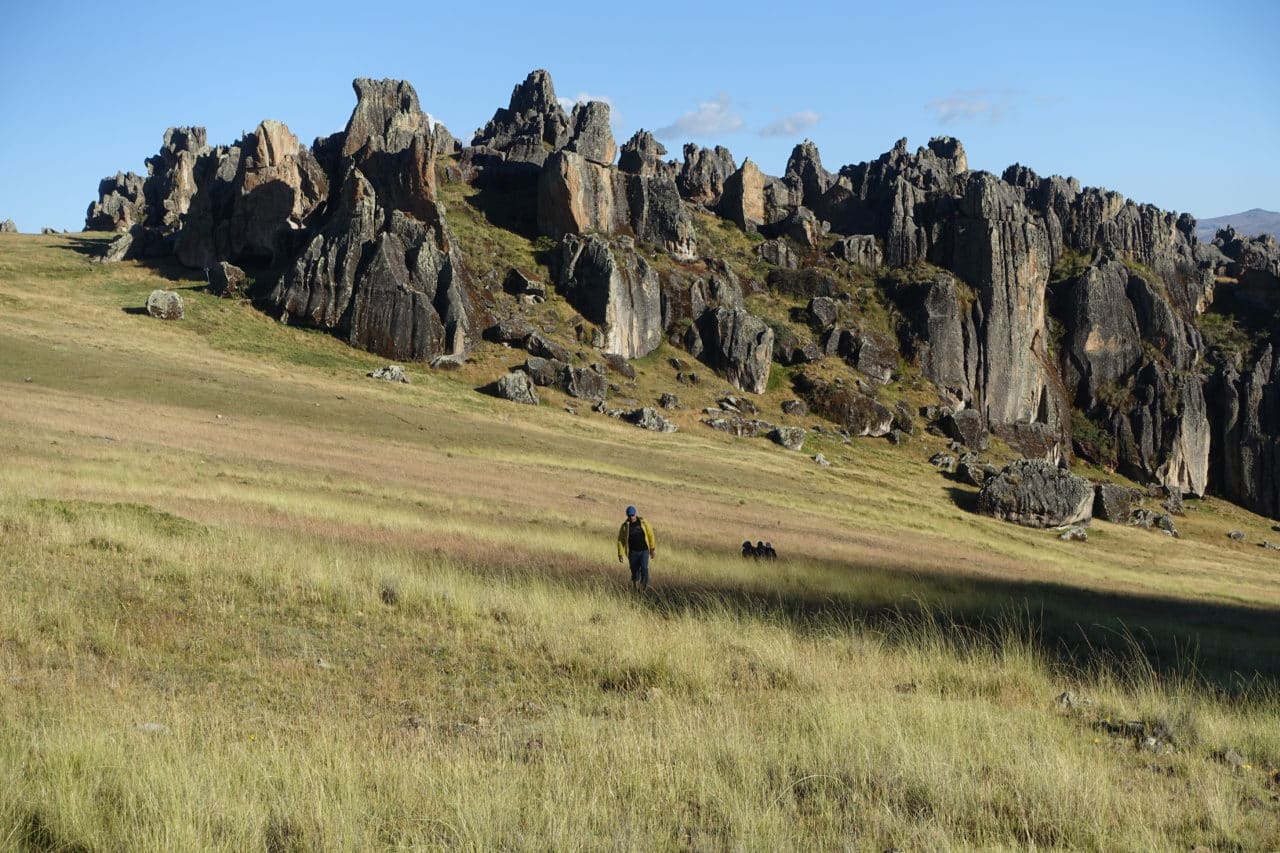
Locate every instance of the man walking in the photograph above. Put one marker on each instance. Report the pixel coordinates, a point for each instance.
(635, 541)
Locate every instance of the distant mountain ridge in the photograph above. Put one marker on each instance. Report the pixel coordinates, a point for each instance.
(1250, 223)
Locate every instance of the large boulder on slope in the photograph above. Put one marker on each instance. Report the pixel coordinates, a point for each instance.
(1034, 493)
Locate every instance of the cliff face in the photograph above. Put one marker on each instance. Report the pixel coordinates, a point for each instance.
(1062, 317)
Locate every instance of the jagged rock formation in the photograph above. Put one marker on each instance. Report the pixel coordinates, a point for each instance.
(615, 288)
(121, 204)
(8, 227)
(379, 269)
(1050, 315)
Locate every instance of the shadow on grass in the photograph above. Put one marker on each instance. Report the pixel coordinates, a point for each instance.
(1230, 648)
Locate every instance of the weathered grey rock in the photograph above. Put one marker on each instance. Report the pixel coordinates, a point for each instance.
(1165, 523)
(583, 383)
(615, 288)
(779, 252)
(703, 174)
(1173, 502)
(975, 473)
(1074, 534)
(619, 365)
(860, 250)
(1143, 518)
(1236, 535)
(226, 280)
(873, 355)
(1269, 545)
(381, 270)
(943, 335)
(7, 227)
(543, 371)
(171, 177)
(533, 124)
(669, 401)
(739, 426)
(821, 460)
(165, 305)
(856, 412)
(967, 428)
(738, 343)
(738, 405)
(592, 136)
(792, 438)
(795, 408)
(1113, 502)
(518, 388)
(647, 418)
(1034, 493)
(642, 154)
(538, 345)
(823, 313)
(390, 373)
(121, 204)
(742, 200)
(519, 283)
(943, 462)
(509, 330)
(804, 227)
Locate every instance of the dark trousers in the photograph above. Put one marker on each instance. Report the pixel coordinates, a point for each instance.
(640, 568)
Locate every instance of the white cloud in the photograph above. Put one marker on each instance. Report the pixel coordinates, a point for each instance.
(791, 125)
(710, 118)
(581, 98)
(990, 105)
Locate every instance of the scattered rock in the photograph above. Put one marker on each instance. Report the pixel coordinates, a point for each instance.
(739, 426)
(1165, 523)
(647, 418)
(1237, 535)
(1114, 502)
(792, 438)
(821, 460)
(583, 383)
(509, 330)
(543, 371)
(738, 405)
(543, 348)
(165, 305)
(689, 378)
(795, 408)
(518, 388)
(943, 461)
(226, 280)
(669, 401)
(1074, 534)
(966, 427)
(390, 373)
(1269, 545)
(1034, 493)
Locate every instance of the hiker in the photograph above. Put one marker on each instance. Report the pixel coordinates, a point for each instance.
(769, 553)
(635, 541)
(760, 549)
(748, 550)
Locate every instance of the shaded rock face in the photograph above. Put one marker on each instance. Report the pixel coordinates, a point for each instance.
(703, 174)
(737, 343)
(249, 193)
(943, 335)
(1114, 503)
(1034, 493)
(121, 204)
(577, 196)
(380, 267)
(171, 181)
(860, 250)
(1245, 412)
(226, 280)
(614, 288)
(592, 136)
(531, 126)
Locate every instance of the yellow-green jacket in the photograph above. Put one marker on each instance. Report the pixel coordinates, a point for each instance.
(623, 532)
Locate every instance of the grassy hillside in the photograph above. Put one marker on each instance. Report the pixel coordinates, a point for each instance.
(255, 600)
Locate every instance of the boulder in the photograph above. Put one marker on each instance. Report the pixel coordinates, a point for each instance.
(226, 280)
(967, 428)
(121, 204)
(519, 283)
(532, 125)
(583, 383)
(1034, 493)
(619, 365)
(738, 343)
(509, 330)
(538, 345)
(543, 371)
(792, 438)
(1113, 502)
(780, 252)
(613, 287)
(669, 401)
(165, 305)
(647, 418)
(390, 373)
(592, 136)
(739, 426)
(823, 313)
(8, 227)
(860, 250)
(1074, 534)
(518, 388)
(795, 408)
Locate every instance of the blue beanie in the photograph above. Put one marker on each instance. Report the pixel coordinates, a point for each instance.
(631, 510)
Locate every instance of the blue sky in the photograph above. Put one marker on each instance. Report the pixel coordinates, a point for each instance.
(1174, 103)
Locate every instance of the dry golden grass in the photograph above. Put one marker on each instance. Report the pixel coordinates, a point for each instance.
(255, 600)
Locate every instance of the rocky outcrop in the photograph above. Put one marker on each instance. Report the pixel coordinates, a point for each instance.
(703, 174)
(8, 227)
(1113, 502)
(615, 288)
(380, 268)
(171, 181)
(165, 305)
(860, 250)
(531, 126)
(737, 343)
(579, 196)
(1034, 493)
(943, 336)
(516, 387)
(226, 280)
(121, 204)
(592, 136)
(264, 184)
